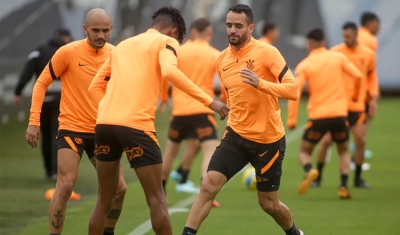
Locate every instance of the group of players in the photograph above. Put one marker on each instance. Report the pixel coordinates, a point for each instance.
(110, 96)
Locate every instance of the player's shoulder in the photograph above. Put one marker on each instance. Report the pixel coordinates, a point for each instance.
(109, 46)
(367, 50)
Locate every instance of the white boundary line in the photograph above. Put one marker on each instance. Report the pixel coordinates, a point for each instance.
(182, 205)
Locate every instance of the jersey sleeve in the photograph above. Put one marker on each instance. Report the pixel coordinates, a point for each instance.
(53, 70)
(98, 87)
(293, 105)
(28, 71)
(349, 68)
(285, 87)
(169, 70)
(372, 78)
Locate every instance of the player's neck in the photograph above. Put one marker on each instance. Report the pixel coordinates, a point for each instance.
(238, 47)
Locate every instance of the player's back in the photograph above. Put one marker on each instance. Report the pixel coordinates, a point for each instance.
(323, 70)
(135, 82)
(196, 59)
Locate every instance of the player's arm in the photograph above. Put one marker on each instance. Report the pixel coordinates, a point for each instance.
(353, 71)
(98, 87)
(169, 69)
(28, 71)
(223, 91)
(373, 85)
(293, 105)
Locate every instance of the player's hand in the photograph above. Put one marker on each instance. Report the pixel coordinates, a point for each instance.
(32, 135)
(250, 77)
(373, 105)
(163, 106)
(220, 108)
(17, 99)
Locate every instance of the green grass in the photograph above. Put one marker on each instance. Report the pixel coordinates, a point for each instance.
(23, 208)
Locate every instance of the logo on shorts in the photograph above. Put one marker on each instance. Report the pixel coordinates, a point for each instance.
(224, 135)
(260, 179)
(173, 133)
(250, 64)
(203, 132)
(101, 149)
(134, 152)
(262, 154)
(78, 140)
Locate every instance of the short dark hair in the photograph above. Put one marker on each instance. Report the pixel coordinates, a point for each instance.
(240, 8)
(268, 26)
(367, 17)
(200, 24)
(316, 35)
(350, 25)
(169, 16)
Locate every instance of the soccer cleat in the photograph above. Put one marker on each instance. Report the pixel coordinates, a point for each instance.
(361, 184)
(187, 187)
(216, 204)
(49, 195)
(305, 184)
(344, 193)
(301, 232)
(174, 175)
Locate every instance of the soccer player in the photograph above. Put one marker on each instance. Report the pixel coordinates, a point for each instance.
(364, 59)
(37, 61)
(128, 87)
(191, 119)
(75, 65)
(324, 71)
(270, 33)
(254, 75)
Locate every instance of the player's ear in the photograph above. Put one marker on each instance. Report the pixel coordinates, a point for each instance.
(174, 33)
(251, 28)
(85, 28)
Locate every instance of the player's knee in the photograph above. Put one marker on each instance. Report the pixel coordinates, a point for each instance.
(269, 206)
(209, 187)
(121, 191)
(65, 189)
(360, 141)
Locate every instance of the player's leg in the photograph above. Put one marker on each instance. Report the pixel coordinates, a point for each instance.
(54, 129)
(118, 199)
(322, 153)
(45, 129)
(340, 135)
(69, 156)
(359, 131)
(313, 133)
(191, 151)
(108, 155)
(227, 160)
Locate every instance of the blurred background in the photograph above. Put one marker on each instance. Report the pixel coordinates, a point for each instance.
(26, 24)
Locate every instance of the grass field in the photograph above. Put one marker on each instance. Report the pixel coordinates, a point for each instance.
(375, 211)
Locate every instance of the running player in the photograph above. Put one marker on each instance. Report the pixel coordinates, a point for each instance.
(324, 71)
(364, 59)
(75, 64)
(128, 87)
(254, 74)
(270, 33)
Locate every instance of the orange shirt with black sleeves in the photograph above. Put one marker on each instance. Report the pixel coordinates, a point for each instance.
(197, 61)
(254, 112)
(75, 64)
(324, 71)
(364, 59)
(128, 85)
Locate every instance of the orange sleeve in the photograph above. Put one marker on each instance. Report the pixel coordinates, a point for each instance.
(164, 91)
(353, 71)
(372, 78)
(169, 70)
(293, 105)
(51, 72)
(98, 87)
(286, 88)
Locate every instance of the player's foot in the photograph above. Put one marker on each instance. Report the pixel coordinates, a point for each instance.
(216, 204)
(301, 232)
(315, 184)
(344, 193)
(174, 175)
(187, 188)
(49, 195)
(365, 166)
(305, 185)
(361, 184)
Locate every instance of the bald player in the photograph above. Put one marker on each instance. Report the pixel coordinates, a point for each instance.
(190, 119)
(270, 33)
(75, 65)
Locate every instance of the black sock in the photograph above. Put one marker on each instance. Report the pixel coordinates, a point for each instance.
(292, 231)
(358, 172)
(164, 182)
(179, 169)
(188, 231)
(343, 180)
(184, 174)
(320, 168)
(307, 167)
(108, 231)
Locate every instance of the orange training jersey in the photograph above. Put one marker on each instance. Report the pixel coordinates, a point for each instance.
(197, 61)
(75, 64)
(254, 112)
(265, 39)
(323, 71)
(367, 38)
(364, 59)
(128, 84)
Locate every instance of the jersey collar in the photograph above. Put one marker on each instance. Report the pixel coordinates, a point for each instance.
(244, 49)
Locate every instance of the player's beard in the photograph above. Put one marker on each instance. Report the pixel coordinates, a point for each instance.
(238, 40)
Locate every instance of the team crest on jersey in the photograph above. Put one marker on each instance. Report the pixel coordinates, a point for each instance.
(250, 64)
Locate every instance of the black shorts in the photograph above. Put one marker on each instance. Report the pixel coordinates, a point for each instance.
(77, 141)
(141, 147)
(235, 152)
(199, 126)
(356, 118)
(338, 127)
